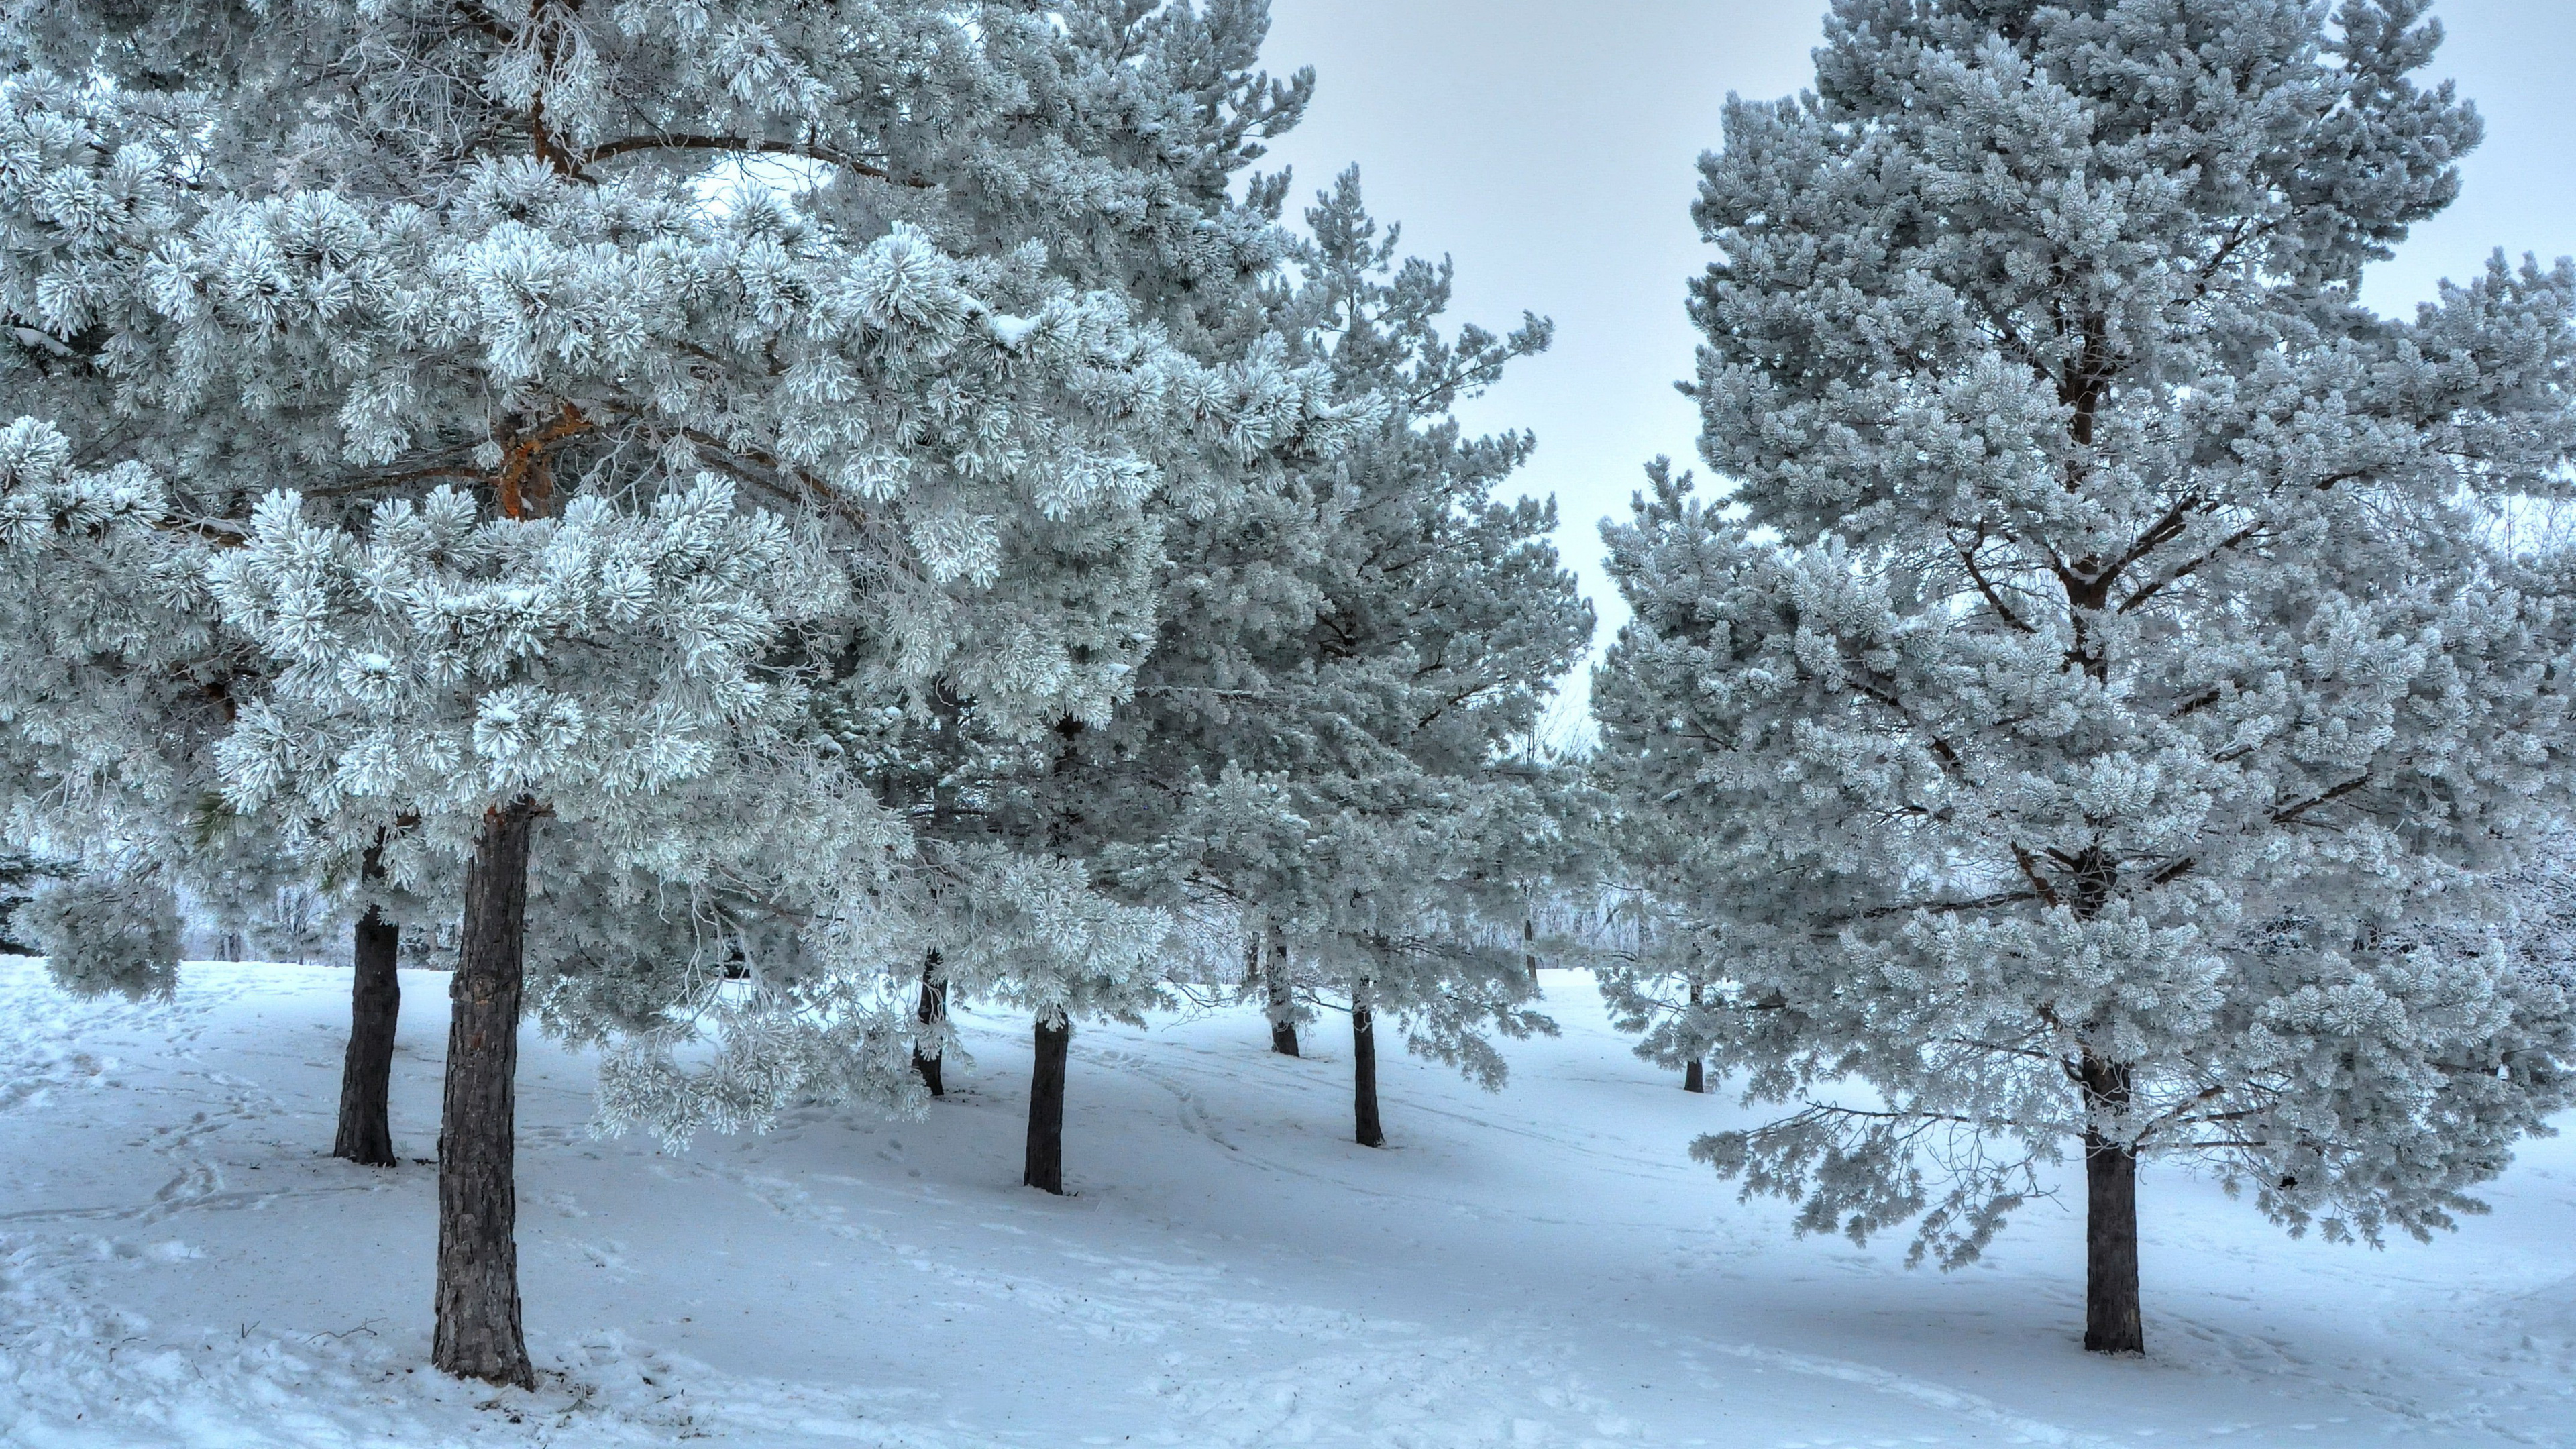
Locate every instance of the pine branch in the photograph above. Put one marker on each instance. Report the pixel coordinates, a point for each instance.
(1968, 557)
(2030, 871)
(2290, 814)
(2226, 546)
(2005, 898)
(747, 146)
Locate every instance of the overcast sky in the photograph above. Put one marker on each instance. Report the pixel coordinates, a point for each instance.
(1548, 146)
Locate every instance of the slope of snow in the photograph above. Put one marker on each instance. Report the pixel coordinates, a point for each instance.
(180, 1265)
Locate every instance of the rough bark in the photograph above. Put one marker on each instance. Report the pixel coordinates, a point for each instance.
(1364, 1067)
(2112, 1321)
(478, 1257)
(366, 1075)
(1045, 1168)
(1694, 1078)
(933, 1008)
(1282, 991)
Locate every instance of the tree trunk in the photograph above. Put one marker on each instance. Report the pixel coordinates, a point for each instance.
(1364, 1066)
(2112, 1322)
(1283, 1000)
(933, 1008)
(478, 1256)
(366, 1076)
(1529, 947)
(1045, 1169)
(1693, 1078)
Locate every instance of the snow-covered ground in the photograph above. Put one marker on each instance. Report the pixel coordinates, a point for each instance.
(180, 1264)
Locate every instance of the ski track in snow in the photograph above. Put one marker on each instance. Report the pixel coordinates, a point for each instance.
(1952, 1401)
(179, 1265)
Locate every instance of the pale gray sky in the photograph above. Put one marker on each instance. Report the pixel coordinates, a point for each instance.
(1548, 146)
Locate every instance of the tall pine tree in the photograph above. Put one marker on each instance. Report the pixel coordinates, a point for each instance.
(1151, 113)
(1328, 742)
(2104, 662)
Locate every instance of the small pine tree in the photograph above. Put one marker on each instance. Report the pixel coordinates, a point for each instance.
(1660, 967)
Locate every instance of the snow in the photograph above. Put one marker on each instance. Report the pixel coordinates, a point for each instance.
(1008, 330)
(180, 1265)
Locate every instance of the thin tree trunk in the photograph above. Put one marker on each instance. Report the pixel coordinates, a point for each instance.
(948, 716)
(2112, 1321)
(1045, 1169)
(933, 1008)
(366, 1075)
(1282, 989)
(1364, 1066)
(1529, 947)
(1692, 1080)
(478, 1255)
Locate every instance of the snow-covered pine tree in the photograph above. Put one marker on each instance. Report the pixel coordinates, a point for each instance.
(626, 402)
(450, 679)
(111, 681)
(119, 676)
(1322, 742)
(1127, 123)
(122, 692)
(1035, 933)
(101, 623)
(22, 873)
(1656, 963)
(2102, 664)
(1155, 111)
